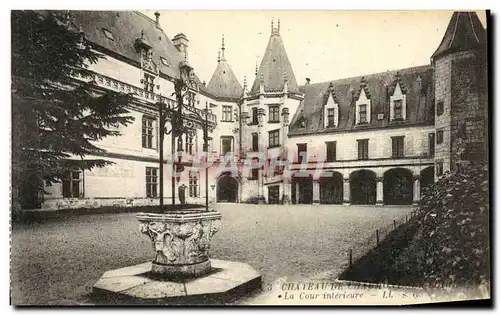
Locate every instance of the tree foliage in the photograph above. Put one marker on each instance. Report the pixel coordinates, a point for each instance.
(56, 119)
(454, 215)
(451, 247)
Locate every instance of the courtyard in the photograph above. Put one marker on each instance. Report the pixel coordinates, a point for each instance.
(58, 261)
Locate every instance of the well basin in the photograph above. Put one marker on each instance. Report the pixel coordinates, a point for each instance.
(181, 240)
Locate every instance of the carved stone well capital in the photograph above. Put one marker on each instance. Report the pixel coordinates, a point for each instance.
(181, 240)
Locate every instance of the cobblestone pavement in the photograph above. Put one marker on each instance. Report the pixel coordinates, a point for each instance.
(57, 262)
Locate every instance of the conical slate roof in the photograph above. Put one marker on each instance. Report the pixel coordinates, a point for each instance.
(224, 83)
(274, 67)
(464, 32)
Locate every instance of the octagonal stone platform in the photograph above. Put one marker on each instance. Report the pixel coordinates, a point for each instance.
(226, 282)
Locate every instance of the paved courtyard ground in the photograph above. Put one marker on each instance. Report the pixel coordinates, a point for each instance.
(57, 262)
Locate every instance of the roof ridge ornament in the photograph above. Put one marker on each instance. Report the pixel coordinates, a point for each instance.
(223, 57)
(275, 30)
(364, 87)
(397, 80)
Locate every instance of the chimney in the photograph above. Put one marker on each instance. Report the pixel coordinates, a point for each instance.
(181, 43)
(308, 80)
(157, 14)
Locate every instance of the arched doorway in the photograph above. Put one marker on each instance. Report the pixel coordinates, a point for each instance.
(398, 187)
(426, 178)
(304, 184)
(363, 187)
(227, 188)
(331, 189)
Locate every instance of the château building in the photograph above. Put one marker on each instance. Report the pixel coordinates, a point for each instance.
(371, 139)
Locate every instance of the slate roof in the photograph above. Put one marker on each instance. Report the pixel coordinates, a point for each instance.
(126, 27)
(416, 82)
(274, 66)
(224, 83)
(464, 32)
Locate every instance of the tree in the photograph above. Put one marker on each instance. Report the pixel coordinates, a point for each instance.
(56, 119)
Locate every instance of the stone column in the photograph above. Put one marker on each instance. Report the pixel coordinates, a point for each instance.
(380, 191)
(297, 192)
(316, 200)
(416, 190)
(347, 192)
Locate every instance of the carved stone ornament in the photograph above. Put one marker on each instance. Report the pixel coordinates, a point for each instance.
(181, 240)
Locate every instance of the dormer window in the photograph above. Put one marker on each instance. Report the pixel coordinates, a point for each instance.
(362, 114)
(398, 109)
(331, 109)
(363, 105)
(398, 101)
(330, 118)
(108, 34)
(149, 82)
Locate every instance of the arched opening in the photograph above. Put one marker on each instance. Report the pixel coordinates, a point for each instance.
(426, 178)
(227, 188)
(363, 187)
(398, 187)
(331, 189)
(304, 194)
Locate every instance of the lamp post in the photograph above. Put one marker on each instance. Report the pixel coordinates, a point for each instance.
(205, 149)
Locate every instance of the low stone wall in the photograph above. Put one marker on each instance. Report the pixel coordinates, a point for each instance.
(89, 203)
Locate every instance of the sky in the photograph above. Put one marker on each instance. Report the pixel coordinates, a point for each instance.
(321, 45)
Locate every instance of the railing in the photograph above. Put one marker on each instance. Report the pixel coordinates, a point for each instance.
(142, 94)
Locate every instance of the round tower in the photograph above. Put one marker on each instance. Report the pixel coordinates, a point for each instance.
(460, 93)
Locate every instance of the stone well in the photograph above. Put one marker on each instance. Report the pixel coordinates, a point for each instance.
(182, 271)
(181, 241)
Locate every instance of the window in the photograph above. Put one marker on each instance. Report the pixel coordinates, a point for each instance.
(227, 113)
(193, 184)
(189, 144)
(280, 168)
(439, 136)
(302, 152)
(274, 114)
(432, 145)
(439, 168)
(226, 144)
(255, 117)
(273, 195)
(440, 108)
(151, 182)
(362, 114)
(165, 61)
(331, 151)
(148, 133)
(330, 118)
(398, 109)
(398, 147)
(363, 149)
(274, 138)
(254, 175)
(108, 34)
(255, 142)
(149, 82)
(191, 99)
(71, 184)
